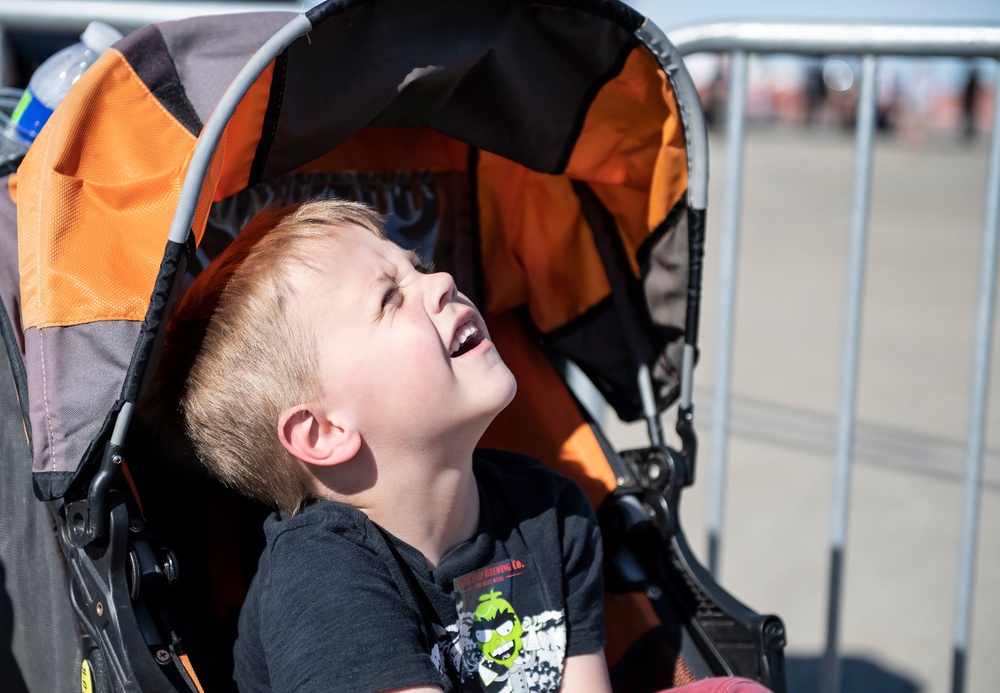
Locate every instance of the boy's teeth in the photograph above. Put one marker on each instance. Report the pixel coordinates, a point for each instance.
(462, 335)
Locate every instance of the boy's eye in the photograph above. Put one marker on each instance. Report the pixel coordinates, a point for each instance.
(505, 628)
(484, 636)
(390, 295)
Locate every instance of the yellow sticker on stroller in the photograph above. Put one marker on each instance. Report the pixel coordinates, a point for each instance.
(86, 679)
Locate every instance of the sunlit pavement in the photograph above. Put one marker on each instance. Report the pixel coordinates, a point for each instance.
(913, 406)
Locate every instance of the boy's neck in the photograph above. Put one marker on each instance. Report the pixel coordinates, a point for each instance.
(432, 507)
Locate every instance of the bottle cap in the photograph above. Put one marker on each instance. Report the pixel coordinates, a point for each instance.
(99, 36)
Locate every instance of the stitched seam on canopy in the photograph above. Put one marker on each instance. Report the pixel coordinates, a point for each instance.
(45, 399)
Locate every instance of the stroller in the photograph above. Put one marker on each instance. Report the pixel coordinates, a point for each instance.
(550, 154)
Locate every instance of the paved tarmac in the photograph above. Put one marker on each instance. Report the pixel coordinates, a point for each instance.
(913, 402)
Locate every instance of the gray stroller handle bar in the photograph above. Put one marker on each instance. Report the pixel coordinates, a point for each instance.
(696, 138)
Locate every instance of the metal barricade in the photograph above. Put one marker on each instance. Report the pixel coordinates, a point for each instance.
(868, 42)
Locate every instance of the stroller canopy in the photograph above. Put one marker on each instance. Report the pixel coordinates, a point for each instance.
(548, 110)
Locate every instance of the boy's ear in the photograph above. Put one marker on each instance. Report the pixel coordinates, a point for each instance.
(315, 439)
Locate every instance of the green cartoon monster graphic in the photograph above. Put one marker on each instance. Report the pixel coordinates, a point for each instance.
(497, 629)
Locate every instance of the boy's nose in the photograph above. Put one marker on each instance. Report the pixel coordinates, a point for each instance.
(441, 290)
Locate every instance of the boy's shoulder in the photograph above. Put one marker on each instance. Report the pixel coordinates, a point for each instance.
(302, 551)
(332, 527)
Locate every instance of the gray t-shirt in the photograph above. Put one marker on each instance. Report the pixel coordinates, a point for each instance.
(338, 604)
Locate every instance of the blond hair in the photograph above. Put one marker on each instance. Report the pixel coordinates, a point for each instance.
(239, 351)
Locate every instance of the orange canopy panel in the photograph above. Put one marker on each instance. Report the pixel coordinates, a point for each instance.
(99, 188)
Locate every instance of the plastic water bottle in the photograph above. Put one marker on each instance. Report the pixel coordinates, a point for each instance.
(53, 78)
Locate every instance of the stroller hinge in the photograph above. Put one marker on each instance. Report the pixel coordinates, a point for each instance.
(689, 440)
(88, 520)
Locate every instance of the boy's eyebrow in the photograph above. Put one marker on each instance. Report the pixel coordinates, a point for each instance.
(390, 275)
(418, 262)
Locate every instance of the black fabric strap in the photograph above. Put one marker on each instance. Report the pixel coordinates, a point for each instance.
(626, 292)
(426, 609)
(16, 369)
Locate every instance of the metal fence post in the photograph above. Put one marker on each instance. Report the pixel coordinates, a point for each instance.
(857, 250)
(979, 401)
(729, 243)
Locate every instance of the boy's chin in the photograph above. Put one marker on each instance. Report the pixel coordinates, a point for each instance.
(512, 390)
(496, 400)
(506, 388)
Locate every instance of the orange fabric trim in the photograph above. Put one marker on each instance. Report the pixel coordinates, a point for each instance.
(186, 663)
(535, 244)
(394, 149)
(97, 194)
(12, 186)
(682, 673)
(543, 420)
(627, 617)
(131, 484)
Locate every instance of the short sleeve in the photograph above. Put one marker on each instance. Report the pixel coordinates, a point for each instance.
(583, 576)
(332, 619)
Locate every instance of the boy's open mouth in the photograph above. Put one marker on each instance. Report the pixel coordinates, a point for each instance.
(467, 337)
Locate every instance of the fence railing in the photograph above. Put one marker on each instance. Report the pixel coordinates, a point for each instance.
(738, 40)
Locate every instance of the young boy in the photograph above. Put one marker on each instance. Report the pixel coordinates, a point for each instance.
(326, 372)
(344, 383)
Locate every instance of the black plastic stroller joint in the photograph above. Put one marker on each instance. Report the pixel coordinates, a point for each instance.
(638, 517)
(149, 572)
(689, 439)
(658, 470)
(87, 521)
(773, 641)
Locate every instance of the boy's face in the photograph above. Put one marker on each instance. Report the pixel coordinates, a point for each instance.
(401, 352)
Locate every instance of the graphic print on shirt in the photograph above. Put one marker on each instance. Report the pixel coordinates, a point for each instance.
(507, 639)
